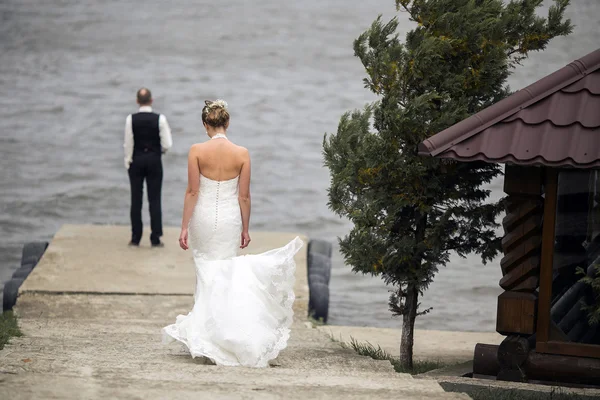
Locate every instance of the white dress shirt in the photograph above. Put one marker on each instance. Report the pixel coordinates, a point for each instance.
(166, 141)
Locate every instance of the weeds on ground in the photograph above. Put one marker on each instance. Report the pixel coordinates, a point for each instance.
(377, 353)
(8, 327)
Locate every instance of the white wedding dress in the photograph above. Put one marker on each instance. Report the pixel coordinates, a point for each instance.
(242, 304)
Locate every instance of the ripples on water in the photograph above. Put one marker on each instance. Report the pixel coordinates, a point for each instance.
(68, 75)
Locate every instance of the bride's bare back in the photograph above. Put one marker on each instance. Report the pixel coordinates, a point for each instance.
(219, 159)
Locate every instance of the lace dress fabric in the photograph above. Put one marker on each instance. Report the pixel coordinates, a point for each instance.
(242, 304)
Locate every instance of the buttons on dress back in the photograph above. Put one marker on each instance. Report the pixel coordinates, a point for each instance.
(217, 205)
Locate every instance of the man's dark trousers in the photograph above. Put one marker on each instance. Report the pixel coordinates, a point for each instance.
(146, 166)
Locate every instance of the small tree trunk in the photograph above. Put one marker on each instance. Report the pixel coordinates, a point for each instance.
(408, 327)
(411, 303)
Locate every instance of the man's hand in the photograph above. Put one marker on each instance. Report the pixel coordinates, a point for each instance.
(183, 239)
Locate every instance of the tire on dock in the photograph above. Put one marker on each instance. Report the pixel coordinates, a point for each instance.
(319, 275)
(319, 265)
(11, 291)
(31, 255)
(318, 303)
(32, 252)
(23, 271)
(317, 278)
(320, 247)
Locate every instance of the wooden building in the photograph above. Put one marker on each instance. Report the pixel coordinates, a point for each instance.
(548, 135)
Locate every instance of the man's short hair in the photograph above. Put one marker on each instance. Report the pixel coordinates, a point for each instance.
(144, 96)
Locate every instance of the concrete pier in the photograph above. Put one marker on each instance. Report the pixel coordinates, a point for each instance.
(91, 314)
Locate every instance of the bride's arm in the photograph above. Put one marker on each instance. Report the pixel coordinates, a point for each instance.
(191, 195)
(244, 198)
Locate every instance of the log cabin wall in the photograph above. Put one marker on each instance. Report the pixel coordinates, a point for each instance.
(540, 345)
(517, 306)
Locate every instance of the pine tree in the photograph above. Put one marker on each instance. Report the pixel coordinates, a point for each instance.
(410, 212)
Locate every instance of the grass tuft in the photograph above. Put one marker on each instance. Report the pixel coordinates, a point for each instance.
(8, 327)
(377, 353)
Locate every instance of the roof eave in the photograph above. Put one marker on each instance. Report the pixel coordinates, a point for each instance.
(424, 148)
(444, 140)
(537, 161)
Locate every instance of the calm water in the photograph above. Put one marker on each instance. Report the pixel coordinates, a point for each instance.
(68, 75)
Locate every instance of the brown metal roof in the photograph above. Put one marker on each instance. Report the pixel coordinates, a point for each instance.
(553, 122)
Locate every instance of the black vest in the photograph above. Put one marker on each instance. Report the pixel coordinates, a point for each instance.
(146, 133)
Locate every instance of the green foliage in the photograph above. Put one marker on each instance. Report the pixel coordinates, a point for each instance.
(377, 353)
(409, 212)
(593, 309)
(8, 327)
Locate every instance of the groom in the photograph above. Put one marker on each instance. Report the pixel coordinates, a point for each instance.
(147, 136)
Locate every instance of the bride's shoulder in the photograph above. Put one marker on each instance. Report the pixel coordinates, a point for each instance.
(242, 150)
(196, 148)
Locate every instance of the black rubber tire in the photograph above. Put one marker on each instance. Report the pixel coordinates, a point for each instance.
(32, 252)
(320, 246)
(319, 264)
(318, 303)
(11, 291)
(317, 278)
(23, 271)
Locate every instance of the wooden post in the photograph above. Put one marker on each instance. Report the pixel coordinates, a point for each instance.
(516, 315)
(547, 258)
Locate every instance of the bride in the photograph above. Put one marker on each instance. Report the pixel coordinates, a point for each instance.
(242, 304)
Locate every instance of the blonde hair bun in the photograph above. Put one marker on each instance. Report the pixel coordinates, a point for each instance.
(215, 113)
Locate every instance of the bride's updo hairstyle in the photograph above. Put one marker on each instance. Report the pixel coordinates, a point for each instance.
(215, 113)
